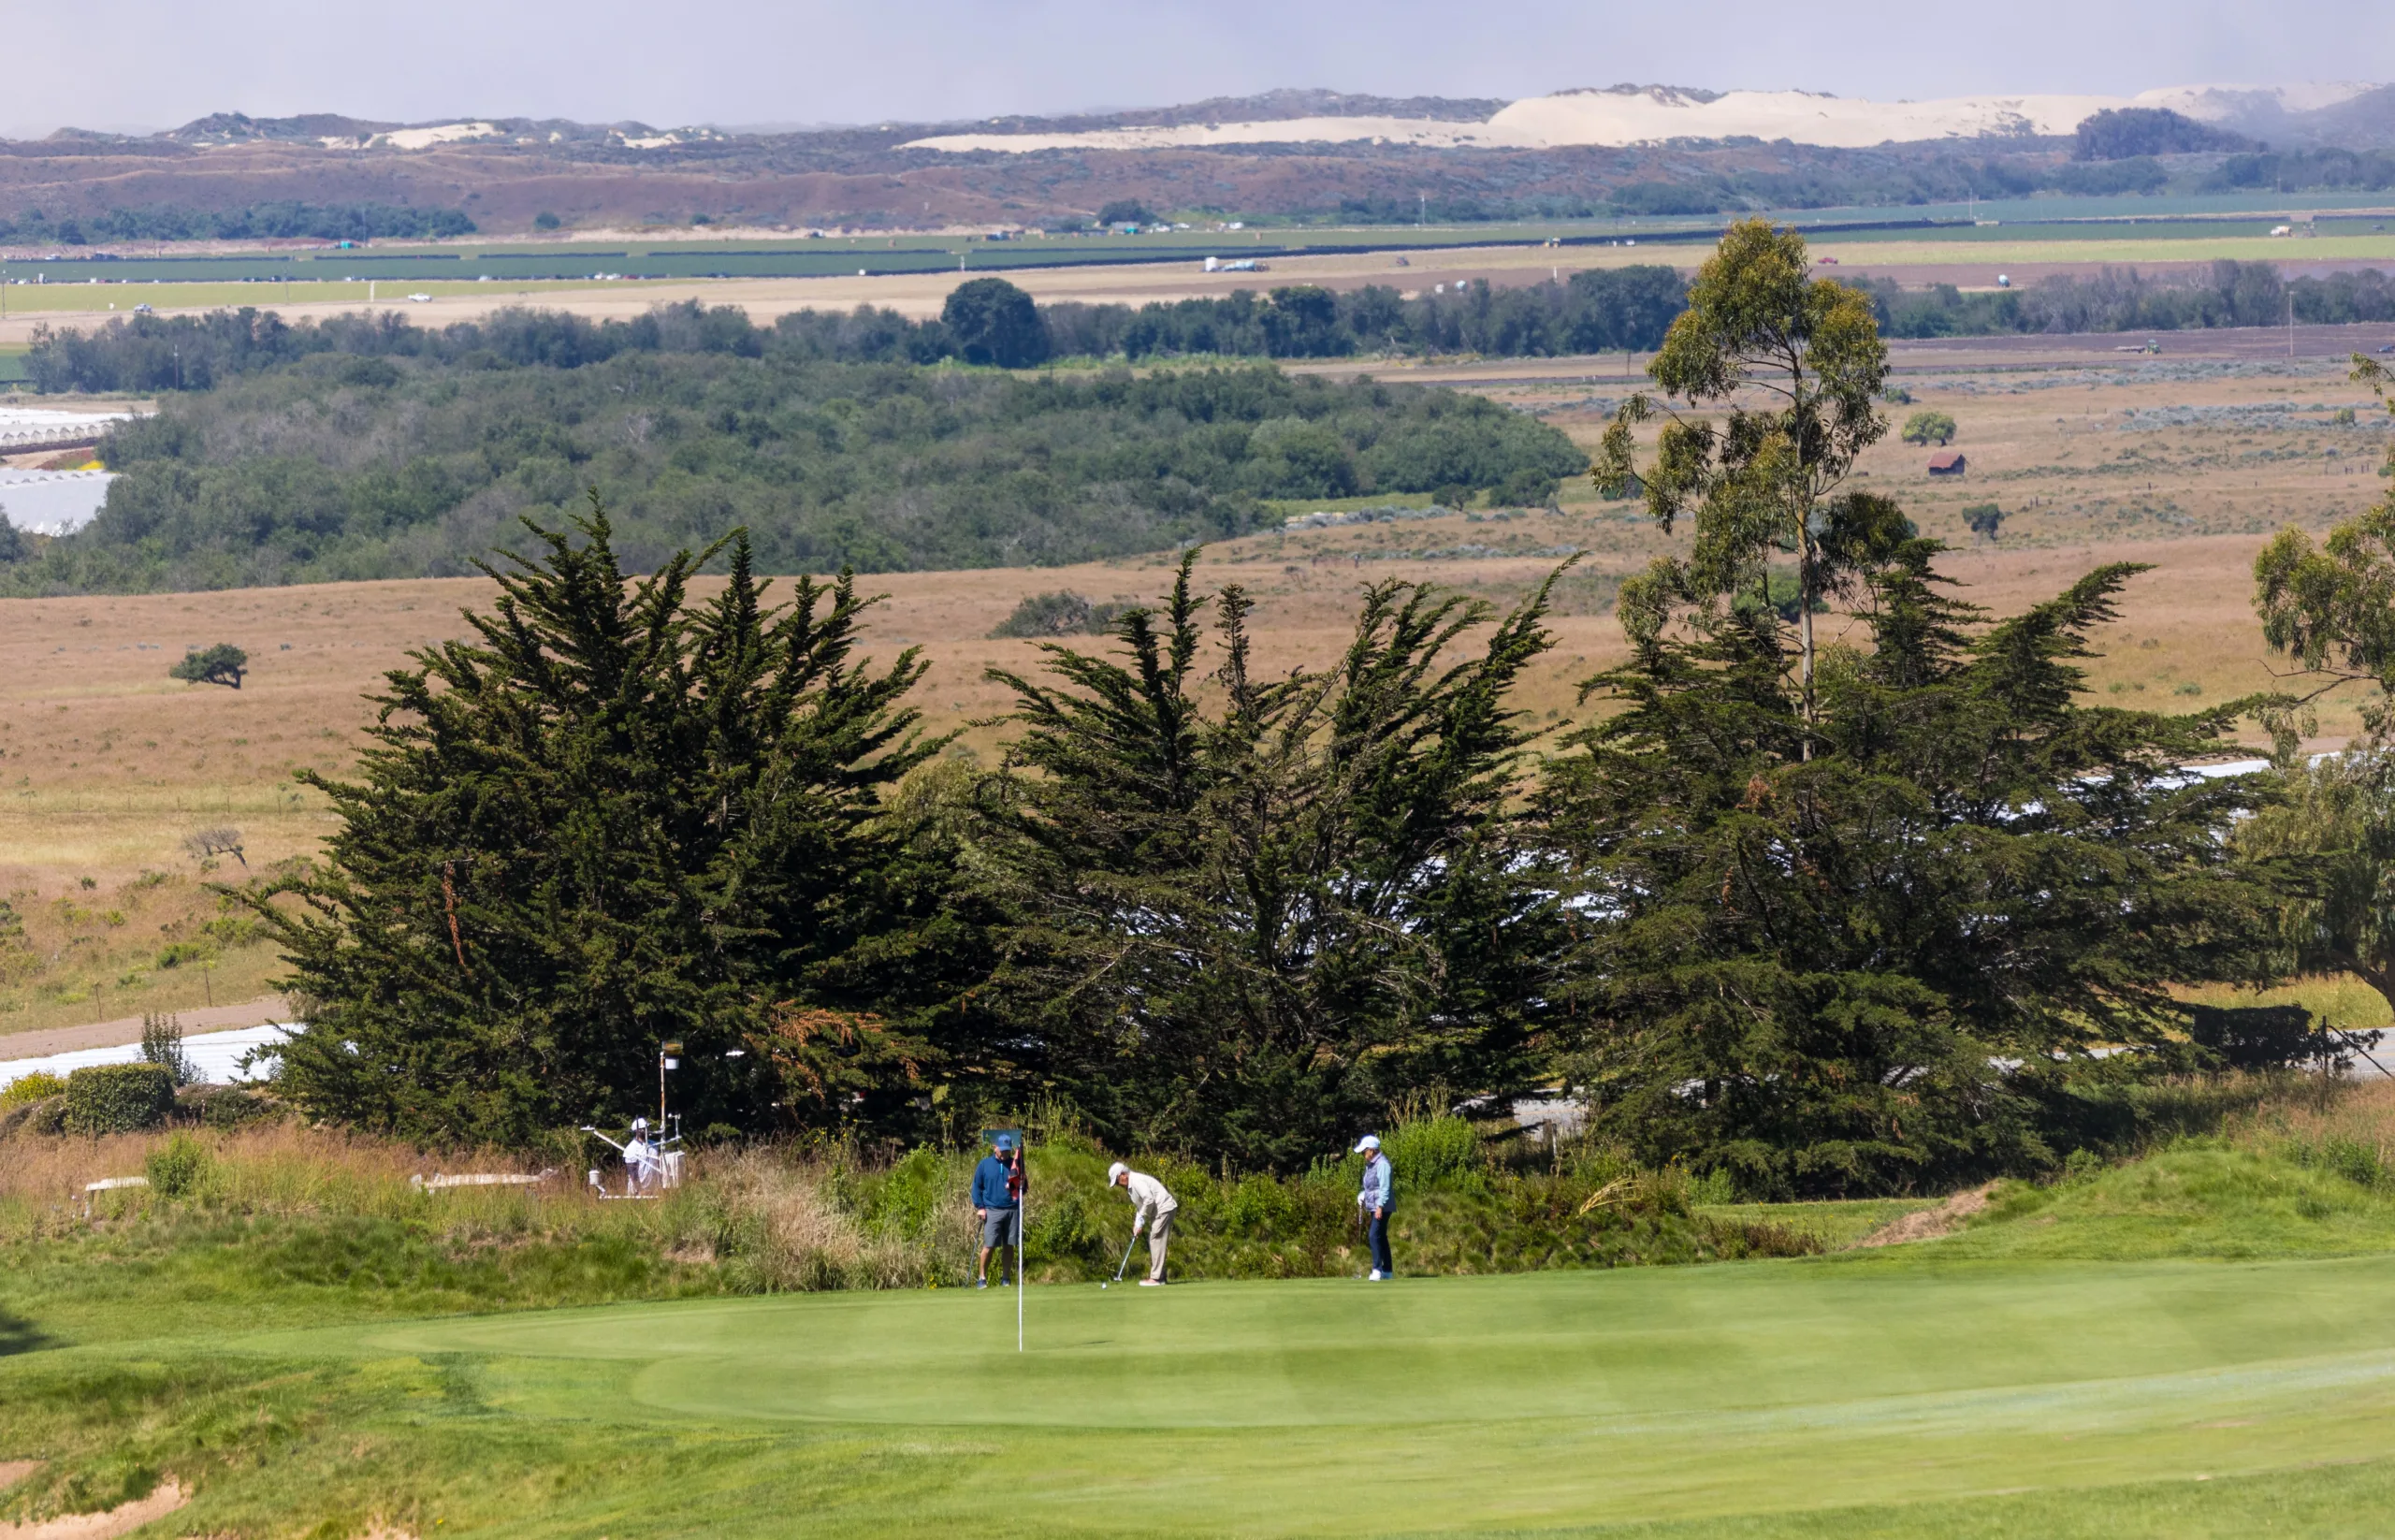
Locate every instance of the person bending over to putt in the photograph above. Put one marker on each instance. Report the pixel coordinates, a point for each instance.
(1372, 1204)
(1153, 1209)
(997, 1203)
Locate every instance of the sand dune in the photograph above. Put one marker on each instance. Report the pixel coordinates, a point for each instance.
(1639, 115)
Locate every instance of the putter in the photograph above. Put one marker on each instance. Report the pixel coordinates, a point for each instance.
(1127, 1258)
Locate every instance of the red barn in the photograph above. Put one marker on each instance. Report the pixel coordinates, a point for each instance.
(1947, 462)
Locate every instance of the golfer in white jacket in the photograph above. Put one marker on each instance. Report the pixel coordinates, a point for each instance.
(1153, 1209)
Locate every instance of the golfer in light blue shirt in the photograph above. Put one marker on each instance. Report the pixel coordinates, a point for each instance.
(1375, 1203)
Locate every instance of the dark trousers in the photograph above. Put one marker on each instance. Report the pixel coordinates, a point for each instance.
(1377, 1232)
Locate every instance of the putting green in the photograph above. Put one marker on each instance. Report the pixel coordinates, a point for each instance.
(1486, 1404)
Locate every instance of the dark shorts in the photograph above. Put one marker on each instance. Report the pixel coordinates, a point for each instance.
(1001, 1228)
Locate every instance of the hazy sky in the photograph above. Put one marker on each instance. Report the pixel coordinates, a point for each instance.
(148, 63)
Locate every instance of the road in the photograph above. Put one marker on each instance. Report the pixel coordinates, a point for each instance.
(127, 1029)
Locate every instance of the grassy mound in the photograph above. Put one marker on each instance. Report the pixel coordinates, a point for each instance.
(2307, 1175)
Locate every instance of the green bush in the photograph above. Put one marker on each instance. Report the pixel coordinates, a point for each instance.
(119, 1098)
(1433, 1152)
(177, 1168)
(225, 1106)
(176, 953)
(32, 1087)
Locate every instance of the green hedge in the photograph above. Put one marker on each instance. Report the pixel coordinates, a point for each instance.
(119, 1098)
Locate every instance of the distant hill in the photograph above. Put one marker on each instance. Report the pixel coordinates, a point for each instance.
(1628, 150)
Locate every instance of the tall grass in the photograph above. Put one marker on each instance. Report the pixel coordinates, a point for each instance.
(287, 1205)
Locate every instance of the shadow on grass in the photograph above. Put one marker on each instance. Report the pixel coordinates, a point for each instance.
(18, 1335)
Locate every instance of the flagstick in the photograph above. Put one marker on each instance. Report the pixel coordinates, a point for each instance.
(1023, 1217)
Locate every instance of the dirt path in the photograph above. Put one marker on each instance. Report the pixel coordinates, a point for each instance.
(126, 1029)
(1929, 1224)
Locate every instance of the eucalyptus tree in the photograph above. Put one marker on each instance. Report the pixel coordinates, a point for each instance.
(1789, 366)
(2330, 609)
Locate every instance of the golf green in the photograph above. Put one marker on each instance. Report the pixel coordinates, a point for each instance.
(1519, 1403)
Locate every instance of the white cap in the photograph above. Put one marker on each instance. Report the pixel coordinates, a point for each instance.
(1115, 1172)
(1370, 1142)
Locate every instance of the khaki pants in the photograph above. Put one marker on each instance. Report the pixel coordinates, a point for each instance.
(1159, 1236)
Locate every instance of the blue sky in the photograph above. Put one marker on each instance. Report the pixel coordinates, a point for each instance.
(127, 63)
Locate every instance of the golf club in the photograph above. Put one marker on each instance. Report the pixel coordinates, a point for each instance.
(1127, 1258)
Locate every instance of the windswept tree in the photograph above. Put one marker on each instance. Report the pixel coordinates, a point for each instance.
(616, 817)
(1254, 910)
(221, 664)
(1791, 364)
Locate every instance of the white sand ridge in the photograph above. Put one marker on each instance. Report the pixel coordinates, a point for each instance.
(1622, 115)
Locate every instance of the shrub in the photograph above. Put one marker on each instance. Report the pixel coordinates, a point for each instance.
(225, 1106)
(1063, 613)
(119, 1098)
(32, 1087)
(177, 1167)
(1432, 1150)
(1985, 519)
(162, 1044)
(1527, 489)
(47, 1115)
(207, 844)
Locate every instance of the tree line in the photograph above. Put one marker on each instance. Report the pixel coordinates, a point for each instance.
(1825, 918)
(346, 464)
(272, 221)
(2226, 294)
(986, 321)
(991, 322)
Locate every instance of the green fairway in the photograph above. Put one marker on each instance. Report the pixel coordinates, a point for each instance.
(1766, 1391)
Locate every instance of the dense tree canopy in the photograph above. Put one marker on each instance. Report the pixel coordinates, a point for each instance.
(613, 819)
(1246, 917)
(2120, 133)
(1863, 951)
(337, 466)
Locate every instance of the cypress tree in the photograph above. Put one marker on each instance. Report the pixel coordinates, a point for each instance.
(1250, 917)
(609, 818)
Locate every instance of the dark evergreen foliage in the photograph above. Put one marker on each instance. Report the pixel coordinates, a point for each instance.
(989, 320)
(614, 818)
(2120, 133)
(1247, 918)
(1876, 968)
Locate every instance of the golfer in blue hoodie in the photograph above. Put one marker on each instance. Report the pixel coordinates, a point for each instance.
(997, 1203)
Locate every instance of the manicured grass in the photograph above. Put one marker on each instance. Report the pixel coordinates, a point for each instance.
(1760, 1393)
(2188, 1344)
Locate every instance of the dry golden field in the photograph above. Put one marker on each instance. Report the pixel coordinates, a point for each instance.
(107, 766)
